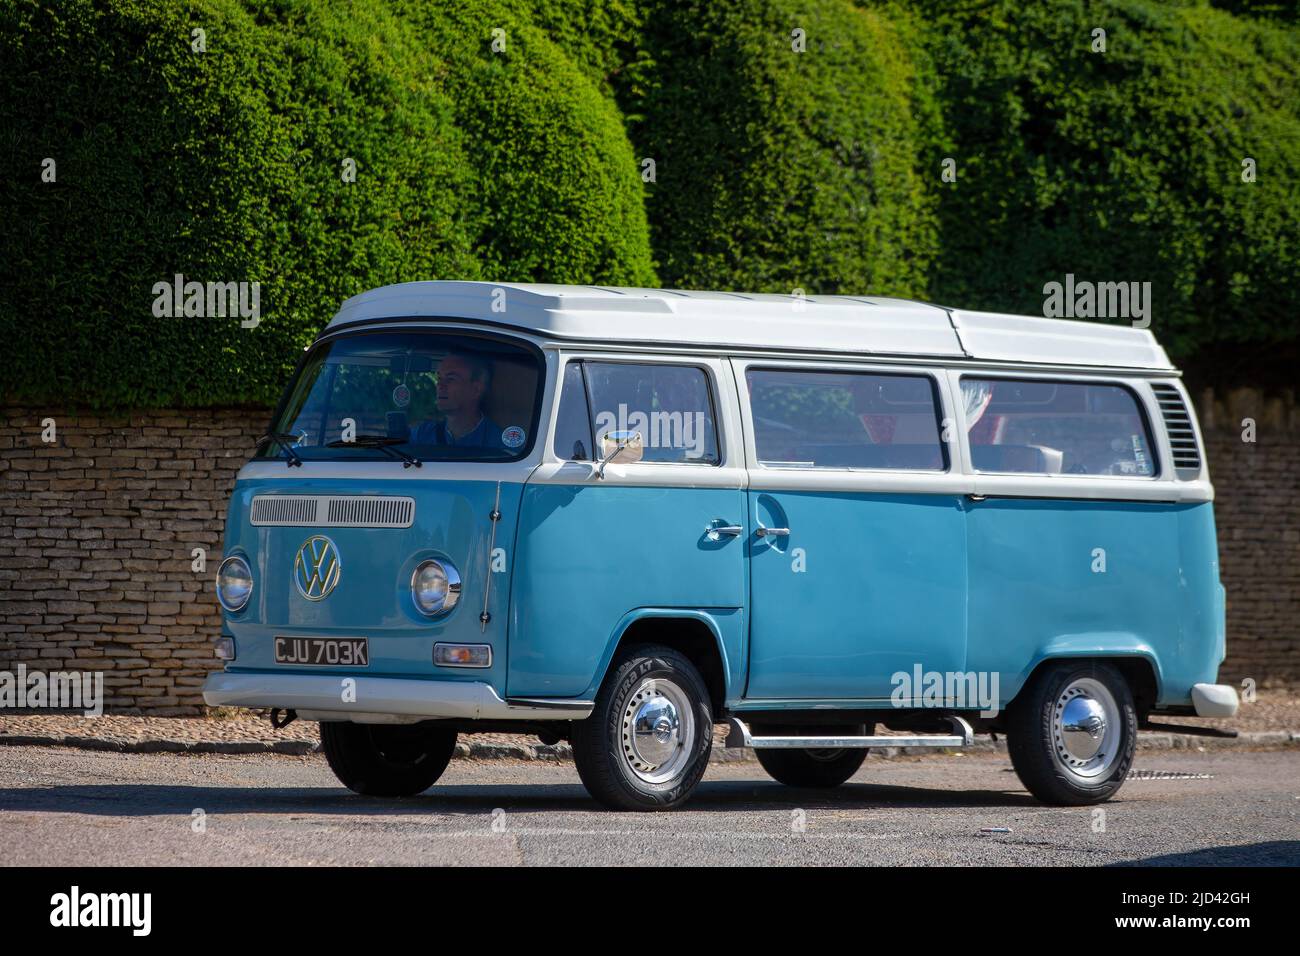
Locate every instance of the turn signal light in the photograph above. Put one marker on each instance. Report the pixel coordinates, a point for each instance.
(463, 655)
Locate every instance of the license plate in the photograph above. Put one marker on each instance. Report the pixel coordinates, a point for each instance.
(325, 651)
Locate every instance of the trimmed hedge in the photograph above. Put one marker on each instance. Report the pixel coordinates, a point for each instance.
(556, 188)
(226, 166)
(775, 170)
(1122, 165)
(601, 37)
(779, 169)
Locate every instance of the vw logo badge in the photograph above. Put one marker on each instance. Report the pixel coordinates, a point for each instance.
(316, 569)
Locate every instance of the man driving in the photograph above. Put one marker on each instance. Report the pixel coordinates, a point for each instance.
(463, 380)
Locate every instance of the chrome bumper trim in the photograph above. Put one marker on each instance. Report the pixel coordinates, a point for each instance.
(321, 695)
(1214, 700)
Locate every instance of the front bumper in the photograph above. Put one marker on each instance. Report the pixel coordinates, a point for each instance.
(1214, 700)
(320, 697)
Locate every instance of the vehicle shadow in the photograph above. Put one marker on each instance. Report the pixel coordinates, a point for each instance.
(1274, 853)
(728, 795)
(138, 800)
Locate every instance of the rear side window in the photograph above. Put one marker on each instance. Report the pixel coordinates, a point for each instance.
(809, 419)
(670, 406)
(1055, 428)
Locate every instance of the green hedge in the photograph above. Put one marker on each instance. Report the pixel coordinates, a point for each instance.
(1122, 165)
(779, 169)
(556, 192)
(775, 170)
(227, 166)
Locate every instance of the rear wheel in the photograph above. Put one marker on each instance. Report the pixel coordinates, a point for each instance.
(646, 744)
(813, 767)
(387, 760)
(1072, 733)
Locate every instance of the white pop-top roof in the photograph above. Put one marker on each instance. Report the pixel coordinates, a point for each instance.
(866, 325)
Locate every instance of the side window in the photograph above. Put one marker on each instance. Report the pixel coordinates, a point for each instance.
(1055, 428)
(808, 419)
(573, 440)
(670, 405)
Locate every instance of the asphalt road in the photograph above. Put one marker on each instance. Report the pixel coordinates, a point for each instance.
(72, 807)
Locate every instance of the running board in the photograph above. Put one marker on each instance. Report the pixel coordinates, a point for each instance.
(739, 736)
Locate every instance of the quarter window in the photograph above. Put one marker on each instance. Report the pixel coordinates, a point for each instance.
(1055, 428)
(809, 419)
(573, 441)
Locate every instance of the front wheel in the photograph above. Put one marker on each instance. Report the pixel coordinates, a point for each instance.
(387, 760)
(647, 741)
(1072, 733)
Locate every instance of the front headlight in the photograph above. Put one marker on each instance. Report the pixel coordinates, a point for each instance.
(234, 583)
(435, 587)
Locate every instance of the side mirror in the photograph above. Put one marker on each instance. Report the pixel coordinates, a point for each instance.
(619, 447)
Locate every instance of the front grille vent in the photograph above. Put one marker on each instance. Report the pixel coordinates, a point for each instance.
(333, 511)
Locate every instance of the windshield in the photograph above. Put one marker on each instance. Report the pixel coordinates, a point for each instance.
(429, 395)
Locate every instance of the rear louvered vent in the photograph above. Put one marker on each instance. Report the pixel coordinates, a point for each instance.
(336, 511)
(1178, 423)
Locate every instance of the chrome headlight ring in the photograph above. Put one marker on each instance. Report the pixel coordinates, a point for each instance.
(234, 583)
(435, 587)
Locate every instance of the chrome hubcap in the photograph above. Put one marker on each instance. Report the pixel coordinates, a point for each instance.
(1086, 729)
(658, 730)
(1083, 725)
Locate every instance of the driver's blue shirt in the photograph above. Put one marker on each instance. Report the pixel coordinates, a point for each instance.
(486, 434)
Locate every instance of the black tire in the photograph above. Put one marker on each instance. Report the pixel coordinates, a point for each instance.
(1038, 752)
(821, 769)
(387, 760)
(611, 767)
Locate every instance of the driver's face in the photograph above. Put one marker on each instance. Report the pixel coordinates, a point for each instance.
(457, 391)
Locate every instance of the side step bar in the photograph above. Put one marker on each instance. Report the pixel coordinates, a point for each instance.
(739, 736)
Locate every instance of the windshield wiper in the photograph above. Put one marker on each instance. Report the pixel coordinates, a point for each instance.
(384, 444)
(285, 441)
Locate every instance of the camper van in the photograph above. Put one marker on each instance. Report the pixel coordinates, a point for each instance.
(637, 519)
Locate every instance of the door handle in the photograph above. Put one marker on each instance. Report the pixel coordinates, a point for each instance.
(772, 532)
(714, 532)
(973, 497)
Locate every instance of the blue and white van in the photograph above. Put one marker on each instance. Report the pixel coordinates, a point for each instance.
(620, 517)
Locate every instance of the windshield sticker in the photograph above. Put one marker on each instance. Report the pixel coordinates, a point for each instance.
(401, 396)
(513, 437)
